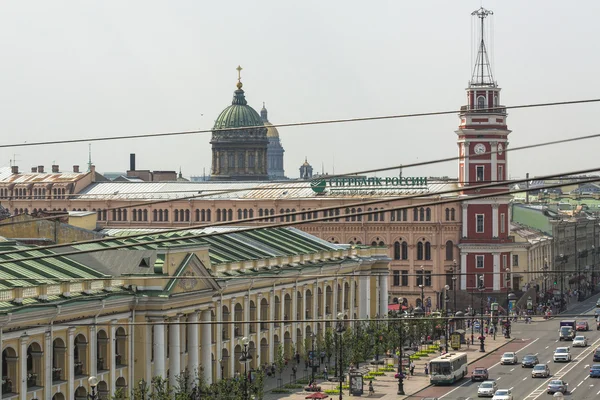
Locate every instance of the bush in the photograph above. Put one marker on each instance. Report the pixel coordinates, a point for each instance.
(376, 373)
(281, 391)
(332, 391)
(302, 381)
(387, 369)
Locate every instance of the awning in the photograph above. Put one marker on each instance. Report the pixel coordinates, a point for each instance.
(395, 307)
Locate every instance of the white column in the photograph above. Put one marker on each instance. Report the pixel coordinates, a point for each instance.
(206, 346)
(466, 161)
(352, 296)
(383, 295)
(174, 349)
(93, 343)
(315, 304)
(294, 312)
(219, 333)
(112, 344)
(495, 220)
(47, 364)
(192, 332)
(259, 317)
(232, 341)
(246, 325)
(304, 308)
(334, 300)
(463, 270)
(272, 326)
(282, 314)
(465, 220)
(363, 296)
(159, 349)
(182, 347)
(494, 156)
(23, 367)
(497, 274)
(148, 350)
(71, 363)
(324, 310)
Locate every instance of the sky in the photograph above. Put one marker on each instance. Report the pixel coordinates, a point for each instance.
(88, 69)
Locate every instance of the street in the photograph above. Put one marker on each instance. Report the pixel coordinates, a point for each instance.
(539, 338)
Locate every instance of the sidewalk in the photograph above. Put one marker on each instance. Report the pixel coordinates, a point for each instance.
(386, 386)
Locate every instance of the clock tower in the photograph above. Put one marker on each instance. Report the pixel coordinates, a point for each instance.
(485, 244)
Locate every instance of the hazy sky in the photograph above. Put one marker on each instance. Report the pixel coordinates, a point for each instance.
(79, 69)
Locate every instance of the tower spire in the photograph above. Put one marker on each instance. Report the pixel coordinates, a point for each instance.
(89, 157)
(482, 70)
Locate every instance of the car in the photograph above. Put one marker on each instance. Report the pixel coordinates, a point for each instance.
(487, 389)
(580, 341)
(479, 374)
(595, 371)
(529, 361)
(562, 354)
(598, 303)
(509, 358)
(557, 385)
(597, 355)
(596, 313)
(582, 326)
(540, 370)
(503, 394)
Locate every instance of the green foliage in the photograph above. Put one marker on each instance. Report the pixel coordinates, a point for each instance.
(377, 373)
(307, 347)
(120, 394)
(280, 359)
(329, 342)
(160, 389)
(277, 390)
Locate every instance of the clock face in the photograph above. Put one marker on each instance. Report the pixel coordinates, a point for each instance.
(479, 148)
(500, 149)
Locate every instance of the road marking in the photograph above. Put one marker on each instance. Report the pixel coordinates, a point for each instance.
(495, 365)
(598, 393)
(547, 346)
(525, 378)
(511, 388)
(512, 370)
(498, 378)
(573, 390)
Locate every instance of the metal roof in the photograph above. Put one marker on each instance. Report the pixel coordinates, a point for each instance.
(243, 190)
(6, 176)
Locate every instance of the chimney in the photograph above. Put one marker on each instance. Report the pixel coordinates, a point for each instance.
(33, 169)
(132, 162)
(93, 172)
(76, 168)
(40, 168)
(55, 168)
(14, 169)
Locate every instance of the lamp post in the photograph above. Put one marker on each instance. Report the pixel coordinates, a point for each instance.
(312, 359)
(222, 368)
(422, 286)
(455, 269)
(446, 299)
(545, 275)
(482, 337)
(400, 377)
(93, 382)
(507, 283)
(472, 314)
(142, 387)
(339, 329)
(244, 358)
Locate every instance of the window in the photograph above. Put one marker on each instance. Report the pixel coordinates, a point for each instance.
(428, 214)
(251, 161)
(479, 223)
(515, 260)
(421, 214)
(480, 281)
(452, 214)
(481, 102)
(427, 251)
(231, 161)
(502, 223)
(241, 160)
(449, 250)
(419, 278)
(396, 251)
(479, 261)
(504, 261)
(404, 278)
(396, 278)
(428, 278)
(479, 172)
(447, 214)
(404, 251)
(419, 251)
(500, 172)
(415, 214)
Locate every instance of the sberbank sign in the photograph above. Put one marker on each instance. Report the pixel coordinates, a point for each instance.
(358, 184)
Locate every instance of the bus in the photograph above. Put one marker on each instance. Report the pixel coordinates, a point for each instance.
(447, 369)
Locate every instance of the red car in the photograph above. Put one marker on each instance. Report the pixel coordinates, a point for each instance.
(479, 374)
(582, 326)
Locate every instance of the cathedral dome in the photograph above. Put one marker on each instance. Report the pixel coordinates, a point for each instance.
(272, 132)
(239, 114)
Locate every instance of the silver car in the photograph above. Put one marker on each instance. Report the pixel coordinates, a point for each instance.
(540, 370)
(487, 389)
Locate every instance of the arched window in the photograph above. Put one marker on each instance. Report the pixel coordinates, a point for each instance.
(415, 214)
(251, 213)
(419, 251)
(208, 212)
(370, 216)
(134, 214)
(427, 251)
(166, 213)
(124, 214)
(421, 214)
(481, 102)
(187, 215)
(160, 215)
(396, 250)
(145, 215)
(245, 213)
(359, 217)
(449, 250)
(447, 214)
(230, 214)
(197, 215)
(404, 250)
(239, 214)
(154, 215)
(428, 214)
(203, 215)
(452, 215)
(176, 215)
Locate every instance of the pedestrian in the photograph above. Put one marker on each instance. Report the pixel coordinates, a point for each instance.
(325, 375)
(412, 367)
(427, 369)
(297, 358)
(322, 357)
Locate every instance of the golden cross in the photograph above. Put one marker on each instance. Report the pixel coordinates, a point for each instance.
(239, 70)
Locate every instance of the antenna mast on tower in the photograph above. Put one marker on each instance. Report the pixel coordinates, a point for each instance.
(482, 71)
(89, 157)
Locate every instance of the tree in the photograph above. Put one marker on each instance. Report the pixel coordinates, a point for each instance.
(258, 384)
(328, 344)
(280, 360)
(160, 389)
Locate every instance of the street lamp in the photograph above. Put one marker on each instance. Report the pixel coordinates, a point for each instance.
(142, 387)
(507, 278)
(401, 337)
(446, 299)
(312, 358)
(455, 269)
(481, 331)
(244, 358)
(545, 274)
(422, 286)
(93, 382)
(339, 329)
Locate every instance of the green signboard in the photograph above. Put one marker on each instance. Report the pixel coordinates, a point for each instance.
(360, 184)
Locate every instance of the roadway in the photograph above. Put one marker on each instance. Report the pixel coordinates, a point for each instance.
(539, 338)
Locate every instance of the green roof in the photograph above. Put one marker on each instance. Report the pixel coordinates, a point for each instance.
(238, 114)
(532, 218)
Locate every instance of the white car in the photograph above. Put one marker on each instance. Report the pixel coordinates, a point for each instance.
(562, 354)
(509, 358)
(487, 389)
(503, 394)
(580, 341)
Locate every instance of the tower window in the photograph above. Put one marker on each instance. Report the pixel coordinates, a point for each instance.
(500, 172)
(479, 173)
(481, 102)
(479, 218)
(479, 261)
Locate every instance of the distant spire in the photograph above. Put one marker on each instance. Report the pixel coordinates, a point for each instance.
(482, 70)
(263, 113)
(238, 96)
(89, 157)
(239, 70)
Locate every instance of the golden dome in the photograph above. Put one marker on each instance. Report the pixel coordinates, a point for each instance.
(271, 130)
